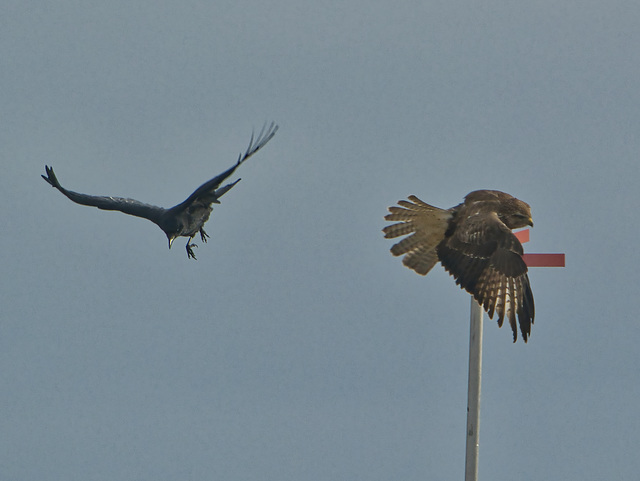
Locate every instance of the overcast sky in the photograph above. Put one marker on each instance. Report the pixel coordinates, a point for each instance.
(296, 347)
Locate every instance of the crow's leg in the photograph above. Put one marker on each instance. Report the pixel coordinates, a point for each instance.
(203, 235)
(190, 254)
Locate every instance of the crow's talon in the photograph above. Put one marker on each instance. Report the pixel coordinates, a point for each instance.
(190, 253)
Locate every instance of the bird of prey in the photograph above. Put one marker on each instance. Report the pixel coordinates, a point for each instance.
(474, 243)
(183, 220)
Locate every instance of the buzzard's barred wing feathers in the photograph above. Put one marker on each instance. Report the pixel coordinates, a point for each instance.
(486, 260)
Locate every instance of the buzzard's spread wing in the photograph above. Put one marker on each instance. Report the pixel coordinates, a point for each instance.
(128, 206)
(486, 259)
(425, 224)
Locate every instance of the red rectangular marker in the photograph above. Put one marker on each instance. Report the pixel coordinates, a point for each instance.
(544, 260)
(522, 235)
(539, 260)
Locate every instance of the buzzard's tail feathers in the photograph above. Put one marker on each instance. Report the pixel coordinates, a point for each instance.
(420, 203)
(420, 255)
(425, 226)
(421, 260)
(396, 230)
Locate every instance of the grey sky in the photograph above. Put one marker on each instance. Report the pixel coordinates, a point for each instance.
(297, 347)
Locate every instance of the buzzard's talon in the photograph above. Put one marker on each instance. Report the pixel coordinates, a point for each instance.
(204, 235)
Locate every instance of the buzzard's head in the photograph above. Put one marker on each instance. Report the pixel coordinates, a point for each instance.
(515, 213)
(512, 212)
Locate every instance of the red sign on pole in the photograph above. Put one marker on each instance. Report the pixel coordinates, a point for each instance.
(539, 260)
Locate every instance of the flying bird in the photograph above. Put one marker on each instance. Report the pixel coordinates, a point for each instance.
(474, 243)
(183, 220)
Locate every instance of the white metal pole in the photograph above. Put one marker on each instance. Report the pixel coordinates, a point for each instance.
(473, 399)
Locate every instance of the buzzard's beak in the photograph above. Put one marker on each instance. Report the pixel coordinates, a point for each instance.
(171, 239)
(530, 221)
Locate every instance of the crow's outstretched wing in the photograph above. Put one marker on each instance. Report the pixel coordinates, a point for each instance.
(485, 258)
(128, 206)
(209, 192)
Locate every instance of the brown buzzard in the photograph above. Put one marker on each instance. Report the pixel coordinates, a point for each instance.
(474, 243)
